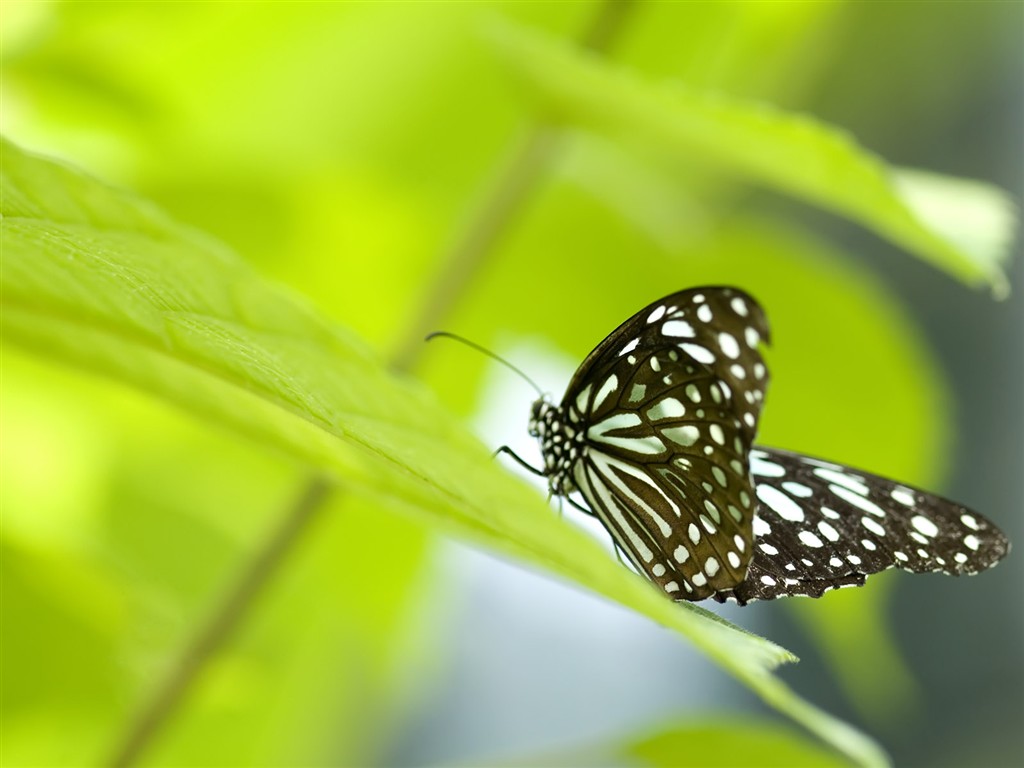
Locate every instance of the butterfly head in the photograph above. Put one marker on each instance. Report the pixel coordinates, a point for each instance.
(560, 444)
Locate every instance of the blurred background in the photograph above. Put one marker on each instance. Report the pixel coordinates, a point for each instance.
(343, 149)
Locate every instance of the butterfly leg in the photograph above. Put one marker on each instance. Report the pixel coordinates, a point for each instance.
(520, 461)
(580, 507)
(585, 510)
(618, 555)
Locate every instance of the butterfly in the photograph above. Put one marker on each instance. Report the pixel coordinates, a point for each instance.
(656, 433)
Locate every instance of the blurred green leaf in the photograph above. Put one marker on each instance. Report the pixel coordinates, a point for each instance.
(98, 278)
(105, 580)
(790, 152)
(725, 742)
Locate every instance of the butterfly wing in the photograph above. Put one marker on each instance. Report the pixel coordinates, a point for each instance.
(821, 526)
(717, 327)
(669, 404)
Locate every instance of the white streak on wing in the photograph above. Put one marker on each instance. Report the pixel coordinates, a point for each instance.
(582, 398)
(606, 389)
(647, 446)
(759, 466)
(843, 479)
(858, 501)
(780, 503)
(629, 347)
(605, 463)
(599, 492)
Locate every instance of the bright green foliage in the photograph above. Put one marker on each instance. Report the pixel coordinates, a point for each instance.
(339, 148)
(715, 745)
(705, 744)
(962, 227)
(106, 282)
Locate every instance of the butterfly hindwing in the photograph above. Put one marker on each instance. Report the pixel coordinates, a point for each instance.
(821, 526)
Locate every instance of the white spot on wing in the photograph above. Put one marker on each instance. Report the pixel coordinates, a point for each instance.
(699, 353)
(903, 496)
(925, 526)
(656, 315)
(810, 539)
(684, 436)
(872, 526)
(729, 345)
(679, 329)
(666, 408)
(716, 434)
(828, 531)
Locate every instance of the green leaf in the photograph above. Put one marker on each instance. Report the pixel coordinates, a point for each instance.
(106, 573)
(724, 742)
(95, 277)
(789, 152)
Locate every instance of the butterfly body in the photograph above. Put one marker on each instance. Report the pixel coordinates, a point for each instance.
(656, 432)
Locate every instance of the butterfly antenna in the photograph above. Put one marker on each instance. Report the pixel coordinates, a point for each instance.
(487, 352)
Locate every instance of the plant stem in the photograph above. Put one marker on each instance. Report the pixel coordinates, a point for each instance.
(509, 196)
(514, 188)
(238, 601)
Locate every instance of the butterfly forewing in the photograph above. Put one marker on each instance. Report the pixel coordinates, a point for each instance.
(717, 327)
(821, 526)
(669, 404)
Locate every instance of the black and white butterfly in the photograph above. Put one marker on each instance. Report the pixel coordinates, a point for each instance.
(656, 433)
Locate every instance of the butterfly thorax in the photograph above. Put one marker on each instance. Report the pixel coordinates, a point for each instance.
(560, 444)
